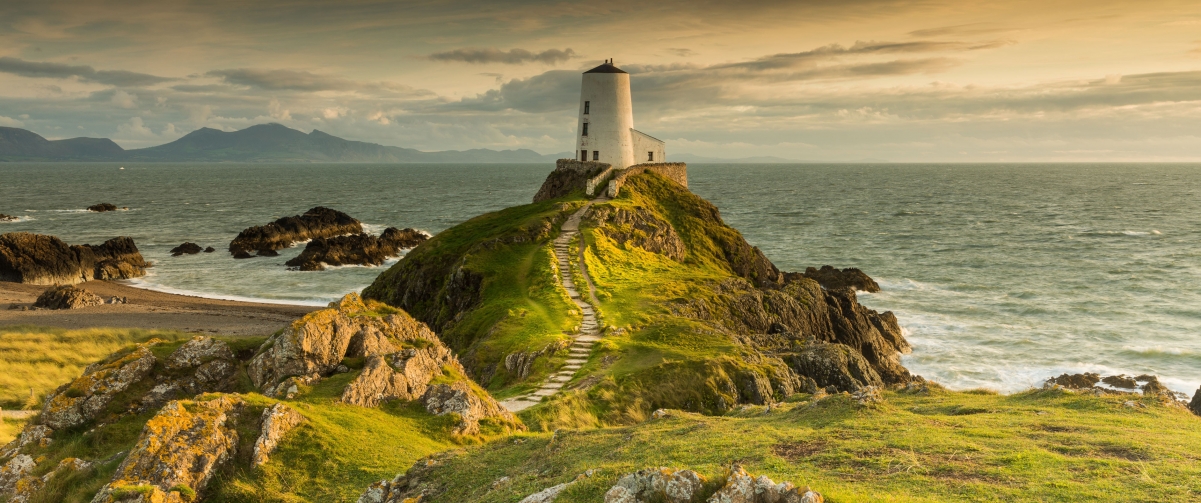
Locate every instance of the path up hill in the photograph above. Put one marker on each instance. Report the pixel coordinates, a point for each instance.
(693, 317)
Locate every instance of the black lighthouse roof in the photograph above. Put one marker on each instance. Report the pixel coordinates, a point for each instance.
(607, 67)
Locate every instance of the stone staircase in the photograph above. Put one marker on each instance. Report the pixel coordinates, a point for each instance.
(589, 332)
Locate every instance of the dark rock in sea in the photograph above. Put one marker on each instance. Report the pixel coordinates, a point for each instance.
(267, 253)
(319, 222)
(240, 254)
(46, 260)
(1121, 381)
(356, 249)
(188, 248)
(832, 278)
(67, 297)
(1076, 381)
(102, 207)
(7, 218)
(1195, 405)
(209, 250)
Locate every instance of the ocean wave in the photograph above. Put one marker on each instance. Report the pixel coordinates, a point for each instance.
(143, 284)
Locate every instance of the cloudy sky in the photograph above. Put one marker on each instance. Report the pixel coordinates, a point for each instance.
(815, 80)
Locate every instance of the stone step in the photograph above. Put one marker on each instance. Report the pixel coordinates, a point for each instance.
(545, 392)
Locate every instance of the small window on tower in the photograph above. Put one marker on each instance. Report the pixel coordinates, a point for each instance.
(596, 155)
(650, 156)
(583, 155)
(585, 133)
(587, 106)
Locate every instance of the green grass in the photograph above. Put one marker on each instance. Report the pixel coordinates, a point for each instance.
(42, 359)
(9, 429)
(945, 446)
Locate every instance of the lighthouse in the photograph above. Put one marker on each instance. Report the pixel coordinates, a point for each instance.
(606, 122)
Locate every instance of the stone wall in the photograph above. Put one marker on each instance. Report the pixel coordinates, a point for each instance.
(674, 171)
(569, 175)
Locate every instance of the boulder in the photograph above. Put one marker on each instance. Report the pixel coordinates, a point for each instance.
(319, 222)
(851, 278)
(13, 471)
(26, 488)
(1195, 405)
(277, 421)
(1076, 381)
(459, 398)
(657, 484)
(188, 248)
(198, 351)
(102, 207)
(8, 218)
(33, 434)
(209, 250)
(39, 259)
(355, 249)
(178, 452)
(84, 398)
(317, 343)
(741, 487)
(1121, 381)
(380, 382)
(201, 365)
(67, 297)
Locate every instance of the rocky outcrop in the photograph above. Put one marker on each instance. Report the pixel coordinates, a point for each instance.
(178, 452)
(317, 343)
(834, 365)
(685, 486)
(102, 207)
(67, 297)
(1076, 381)
(25, 488)
(639, 227)
(851, 279)
(1195, 405)
(209, 249)
(33, 435)
(406, 377)
(8, 218)
(741, 487)
(319, 222)
(356, 249)
(468, 404)
(277, 421)
(11, 473)
(187, 248)
(201, 365)
(46, 260)
(82, 399)
(657, 484)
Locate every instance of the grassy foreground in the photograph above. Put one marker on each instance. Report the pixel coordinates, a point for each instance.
(1043, 445)
(42, 359)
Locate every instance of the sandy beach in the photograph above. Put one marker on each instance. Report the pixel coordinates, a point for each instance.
(148, 309)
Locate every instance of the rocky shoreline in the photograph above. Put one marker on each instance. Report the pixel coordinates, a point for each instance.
(46, 260)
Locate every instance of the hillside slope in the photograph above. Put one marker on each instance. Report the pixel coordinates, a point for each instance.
(694, 317)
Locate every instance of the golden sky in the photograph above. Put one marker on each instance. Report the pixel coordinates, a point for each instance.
(820, 80)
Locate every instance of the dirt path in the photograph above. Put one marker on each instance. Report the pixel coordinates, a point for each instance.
(589, 333)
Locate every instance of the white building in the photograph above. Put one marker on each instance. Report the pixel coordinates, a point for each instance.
(606, 127)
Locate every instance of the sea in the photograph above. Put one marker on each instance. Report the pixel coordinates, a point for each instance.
(1001, 274)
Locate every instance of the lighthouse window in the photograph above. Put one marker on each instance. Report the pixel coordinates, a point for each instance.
(583, 155)
(596, 155)
(650, 156)
(586, 106)
(585, 129)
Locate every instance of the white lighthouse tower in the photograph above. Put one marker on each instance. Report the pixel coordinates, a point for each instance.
(606, 126)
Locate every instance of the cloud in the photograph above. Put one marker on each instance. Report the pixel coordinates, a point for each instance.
(124, 100)
(135, 127)
(298, 80)
(36, 69)
(510, 57)
(10, 122)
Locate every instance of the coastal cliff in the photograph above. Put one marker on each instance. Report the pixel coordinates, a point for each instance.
(46, 260)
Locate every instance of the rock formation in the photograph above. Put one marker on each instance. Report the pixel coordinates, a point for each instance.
(8, 218)
(685, 486)
(67, 297)
(1195, 405)
(178, 452)
(319, 222)
(355, 249)
(102, 207)
(201, 365)
(187, 248)
(46, 260)
(846, 279)
(277, 421)
(81, 400)
(209, 249)
(568, 176)
(402, 357)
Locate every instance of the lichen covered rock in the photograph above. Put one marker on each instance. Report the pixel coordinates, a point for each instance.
(658, 484)
(741, 487)
(277, 421)
(201, 365)
(82, 399)
(32, 435)
(317, 343)
(13, 471)
(178, 452)
(471, 406)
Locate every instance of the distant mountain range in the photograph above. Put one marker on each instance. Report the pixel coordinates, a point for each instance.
(279, 143)
(261, 143)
